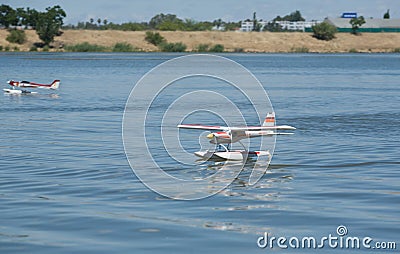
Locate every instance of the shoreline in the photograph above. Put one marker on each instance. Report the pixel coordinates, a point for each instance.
(240, 42)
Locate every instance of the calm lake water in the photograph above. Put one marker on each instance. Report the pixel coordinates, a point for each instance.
(66, 185)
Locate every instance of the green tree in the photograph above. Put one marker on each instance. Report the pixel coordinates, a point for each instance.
(154, 38)
(16, 36)
(161, 18)
(217, 48)
(171, 26)
(192, 25)
(356, 23)
(199, 26)
(258, 27)
(296, 16)
(32, 16)
(203, 47)
(254, 21)
(386, 15)
(292, 17)
(131, 27)
(324, 31)
(172, 47)
(123, 47)
(231, 26)
(21, 16)
(8, 16)
(217, 22)
(273, 27)
(49, 23)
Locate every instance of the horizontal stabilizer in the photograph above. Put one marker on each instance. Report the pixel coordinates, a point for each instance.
(282, 133)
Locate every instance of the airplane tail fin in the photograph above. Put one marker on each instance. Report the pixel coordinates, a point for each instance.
(269, 120)
(55, 84)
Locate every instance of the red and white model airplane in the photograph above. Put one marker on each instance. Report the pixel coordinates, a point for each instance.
(26, 84)
(229, 135)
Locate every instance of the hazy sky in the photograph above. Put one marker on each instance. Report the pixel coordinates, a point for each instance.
(118, 11)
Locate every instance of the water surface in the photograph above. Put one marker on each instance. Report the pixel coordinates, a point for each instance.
(66, 186)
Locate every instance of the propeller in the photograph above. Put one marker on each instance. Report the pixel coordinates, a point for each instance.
(211, 136)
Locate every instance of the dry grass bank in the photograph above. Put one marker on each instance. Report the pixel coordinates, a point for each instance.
(248, 42)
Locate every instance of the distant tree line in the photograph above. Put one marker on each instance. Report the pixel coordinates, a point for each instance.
(47, 24)
(162, 22)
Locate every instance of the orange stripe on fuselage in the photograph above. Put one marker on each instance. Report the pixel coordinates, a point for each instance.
(222, 134)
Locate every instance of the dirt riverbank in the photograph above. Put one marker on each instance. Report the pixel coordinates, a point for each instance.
(232, 41)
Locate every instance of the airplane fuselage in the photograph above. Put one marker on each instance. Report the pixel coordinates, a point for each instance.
(26, 84)
(223, 137)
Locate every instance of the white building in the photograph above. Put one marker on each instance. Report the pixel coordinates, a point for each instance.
(297, 25)
(247, 26)
(218, 28)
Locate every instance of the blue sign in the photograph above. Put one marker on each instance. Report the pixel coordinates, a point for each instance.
(349, 15)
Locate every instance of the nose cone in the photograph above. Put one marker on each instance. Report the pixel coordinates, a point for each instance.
(210, 136)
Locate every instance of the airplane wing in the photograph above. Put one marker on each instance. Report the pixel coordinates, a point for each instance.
(255, 128)
(203, 127)
(224, 128)
(243, 133)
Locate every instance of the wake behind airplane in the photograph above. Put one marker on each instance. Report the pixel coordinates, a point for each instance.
(27, 84)
(229, 135)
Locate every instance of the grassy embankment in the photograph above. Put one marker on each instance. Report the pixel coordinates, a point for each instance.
(108, 40)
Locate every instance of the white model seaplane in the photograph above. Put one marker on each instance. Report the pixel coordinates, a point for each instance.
(26, 84)
(230, 135)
